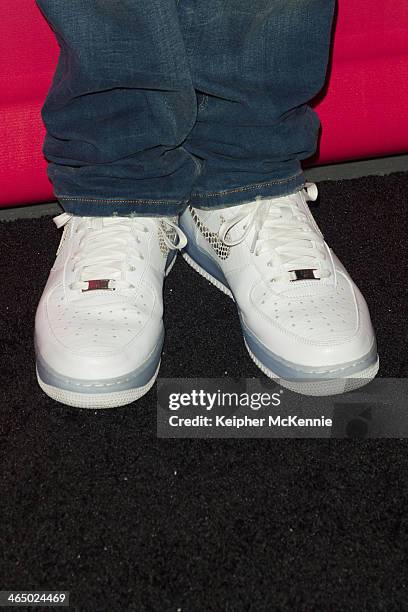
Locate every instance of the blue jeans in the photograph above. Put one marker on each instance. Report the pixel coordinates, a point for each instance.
(160, 103)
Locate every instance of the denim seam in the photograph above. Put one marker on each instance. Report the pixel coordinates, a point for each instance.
(248, 187)
(113, 201)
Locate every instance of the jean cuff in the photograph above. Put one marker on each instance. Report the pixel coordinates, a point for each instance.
(83, 206)
(241, 195)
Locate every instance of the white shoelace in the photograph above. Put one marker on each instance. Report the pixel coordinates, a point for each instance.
(284, 231)
(106, 244)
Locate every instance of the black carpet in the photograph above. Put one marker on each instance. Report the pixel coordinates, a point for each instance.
(95, 504)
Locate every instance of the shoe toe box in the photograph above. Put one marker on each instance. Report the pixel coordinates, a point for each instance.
(318, 327)
(95, 341)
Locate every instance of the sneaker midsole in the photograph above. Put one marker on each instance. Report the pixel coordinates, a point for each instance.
(139, 377)
(297, 372)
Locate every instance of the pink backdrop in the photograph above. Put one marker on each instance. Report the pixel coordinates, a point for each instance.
(364, 109)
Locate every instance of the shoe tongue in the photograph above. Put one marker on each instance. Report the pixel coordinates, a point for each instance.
(98, 223)
(289, 207)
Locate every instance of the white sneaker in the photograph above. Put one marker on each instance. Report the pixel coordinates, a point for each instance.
(304, 321)
(99, 329)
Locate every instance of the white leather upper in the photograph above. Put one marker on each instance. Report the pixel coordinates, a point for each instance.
(108, 332)
(309, 322)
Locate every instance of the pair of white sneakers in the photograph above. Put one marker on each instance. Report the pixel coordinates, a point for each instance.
(99, 325)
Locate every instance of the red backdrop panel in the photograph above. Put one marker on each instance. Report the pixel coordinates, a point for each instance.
(364, 108)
